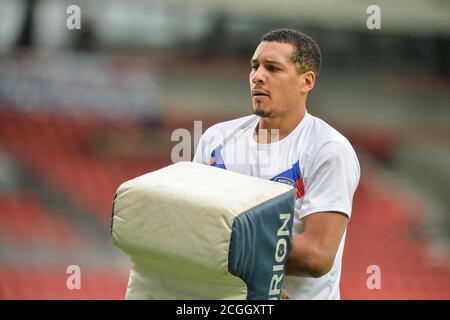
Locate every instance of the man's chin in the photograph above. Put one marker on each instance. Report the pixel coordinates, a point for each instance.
(263, 113)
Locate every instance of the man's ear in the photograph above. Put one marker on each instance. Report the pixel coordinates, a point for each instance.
(308, 80)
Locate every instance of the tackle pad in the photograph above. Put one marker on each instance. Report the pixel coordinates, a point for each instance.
(194, 231)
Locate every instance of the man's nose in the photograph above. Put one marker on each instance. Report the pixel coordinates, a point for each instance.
(257, 76)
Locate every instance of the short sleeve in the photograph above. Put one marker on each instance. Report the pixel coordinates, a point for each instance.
(332, 180)
(203, 150)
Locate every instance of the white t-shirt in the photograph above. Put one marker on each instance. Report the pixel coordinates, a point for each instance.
(315, 158)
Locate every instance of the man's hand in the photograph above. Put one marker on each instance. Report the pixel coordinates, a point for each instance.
(285, 295)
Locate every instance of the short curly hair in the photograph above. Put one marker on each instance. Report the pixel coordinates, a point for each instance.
(306, 55)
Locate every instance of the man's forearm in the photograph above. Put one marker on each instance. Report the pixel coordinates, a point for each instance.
(306, 259)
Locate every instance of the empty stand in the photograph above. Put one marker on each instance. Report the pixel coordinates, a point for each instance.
(50, 283)
(25, 221)
(385, 230)
(65, 151)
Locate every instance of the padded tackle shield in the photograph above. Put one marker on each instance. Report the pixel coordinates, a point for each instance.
(194, 231)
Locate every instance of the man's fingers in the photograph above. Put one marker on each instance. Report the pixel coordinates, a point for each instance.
(285, 295)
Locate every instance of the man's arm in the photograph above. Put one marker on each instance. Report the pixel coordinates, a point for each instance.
(313, 251)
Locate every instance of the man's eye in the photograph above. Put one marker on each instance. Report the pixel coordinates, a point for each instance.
(273, 68)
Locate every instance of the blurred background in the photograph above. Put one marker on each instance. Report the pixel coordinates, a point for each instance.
(82, 111)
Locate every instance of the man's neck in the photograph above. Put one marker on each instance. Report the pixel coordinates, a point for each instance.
(270, 130)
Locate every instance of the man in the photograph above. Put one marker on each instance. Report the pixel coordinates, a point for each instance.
(284, 143)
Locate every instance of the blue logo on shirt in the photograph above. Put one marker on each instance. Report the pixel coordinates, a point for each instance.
(285, 180)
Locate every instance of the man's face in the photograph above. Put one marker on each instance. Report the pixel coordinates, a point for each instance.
(274, 82)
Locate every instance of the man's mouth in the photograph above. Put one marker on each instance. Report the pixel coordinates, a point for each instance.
(259, 94)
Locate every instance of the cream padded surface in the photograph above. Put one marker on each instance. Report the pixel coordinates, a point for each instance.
(198, 232)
